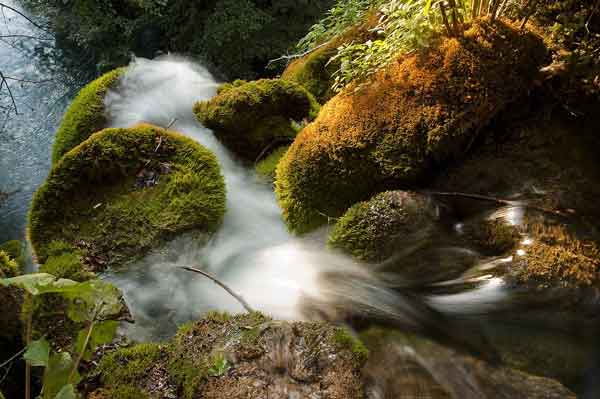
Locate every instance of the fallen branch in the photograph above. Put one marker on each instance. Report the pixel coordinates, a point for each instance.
(294, 56)
(501, 201)
(4, 82)
(529, 10)
(222, 285)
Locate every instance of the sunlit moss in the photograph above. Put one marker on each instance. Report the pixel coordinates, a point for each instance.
(8, 266)
(419, 111)
(492, 237)
(250, 116)
(94, 200)
(85, 115)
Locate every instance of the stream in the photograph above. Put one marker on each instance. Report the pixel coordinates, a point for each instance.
(282, 275)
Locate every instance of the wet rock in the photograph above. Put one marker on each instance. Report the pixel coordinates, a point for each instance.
(390, 222)
(245, 356)
(433, 371)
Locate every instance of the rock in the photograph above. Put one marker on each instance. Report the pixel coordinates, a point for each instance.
(250, 116)
(85, 115)
(491, 236)
(388, 223)
(90, 202)
(432, 371)
(419, 111)
(244, 356)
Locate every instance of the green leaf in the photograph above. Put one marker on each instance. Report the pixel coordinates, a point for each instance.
(37, 283)
(103, 333)
(56, 375)
(67, 392)
(38, 353)
(427, 8)
(94, 298)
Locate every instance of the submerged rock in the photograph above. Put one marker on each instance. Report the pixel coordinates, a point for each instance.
(250, 116)
(91, 205)
(430, 370)
(388, 223)
(85, 115)
(244, 356)
(418, 111)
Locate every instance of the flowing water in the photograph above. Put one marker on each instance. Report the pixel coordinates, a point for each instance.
(284, 276)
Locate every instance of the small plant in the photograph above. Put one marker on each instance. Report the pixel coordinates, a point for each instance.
(219, 365)
(95, 304)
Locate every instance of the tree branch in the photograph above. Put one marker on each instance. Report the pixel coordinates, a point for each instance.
(4, 82)
(294, 56)
(222, 285)
(2, 5)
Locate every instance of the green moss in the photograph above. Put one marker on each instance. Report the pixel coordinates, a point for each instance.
(8, 266)
(110, 218)
(15, 250)
(122, 392)
(346, 340)
(492, 237)
(417, 112)
(265, 169)
(129, 367)
(249, 116)
(85, 115)
(373, 230)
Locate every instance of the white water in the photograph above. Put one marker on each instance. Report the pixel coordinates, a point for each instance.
(252, 252)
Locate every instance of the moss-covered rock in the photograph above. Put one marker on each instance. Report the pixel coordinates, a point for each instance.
(556, 257)
(8, 266)
(244, 356)
(315, 72)
(250, 116)
(85, 115)
(265, 169)
(122, 192)
(490, 236)
(417, 112)
(15, 249)
(374, 230)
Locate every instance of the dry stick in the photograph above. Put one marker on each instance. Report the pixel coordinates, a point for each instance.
(299, 55)
(502, 7)
(483, 7)
(495, 5)
(225, 287)
(454, 16)
(500, 201)
(530, 8)
(475, 9)
(445, 18)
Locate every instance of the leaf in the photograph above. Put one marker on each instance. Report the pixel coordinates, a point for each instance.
(67, 392)
(38, 353)
(37, 283)
(94, 298)
(103, 333)
(56, 374)
(427, 8)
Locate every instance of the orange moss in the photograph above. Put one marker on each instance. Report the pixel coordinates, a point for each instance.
(416, 112)
(558, 256)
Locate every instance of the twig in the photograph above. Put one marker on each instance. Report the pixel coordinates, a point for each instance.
(495, 6)
(85, 342)
(529, 9)
(454, 16)
(13, 357)
(294, 56)
(268, 147)
(222, 285)
(502, 7)
(475, 9)
(5, 82)
(500, 201)
(157, 146)
(2, 5)
(171, 123)
(587, 22)
(483, 7)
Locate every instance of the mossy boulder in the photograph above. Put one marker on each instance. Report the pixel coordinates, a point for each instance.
(243, 356)
(122, 192)
(418, 112)
(556, 257)
(430, 370)
(265, 168)
(315, 70)
(85, 115)
(374, 230)
(490, 236)
(251, 116)
(8, 266)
